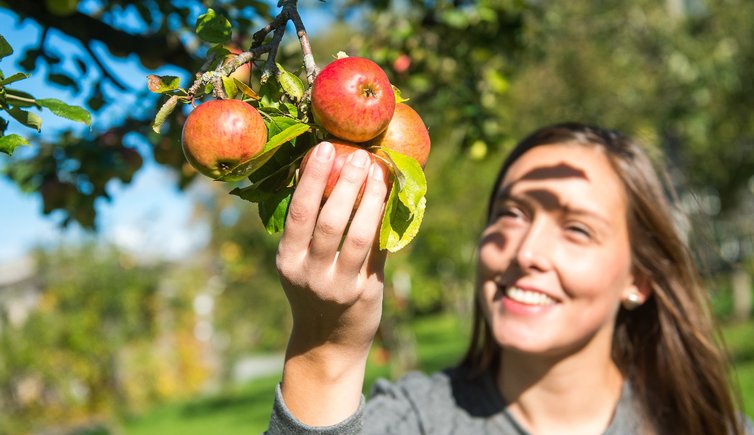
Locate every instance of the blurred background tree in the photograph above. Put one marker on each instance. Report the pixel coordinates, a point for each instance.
(674, 74)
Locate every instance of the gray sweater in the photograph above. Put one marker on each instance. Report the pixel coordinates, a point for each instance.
(446, 402)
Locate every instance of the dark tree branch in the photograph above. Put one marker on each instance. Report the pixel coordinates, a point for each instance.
(86, 29)
(105, 71)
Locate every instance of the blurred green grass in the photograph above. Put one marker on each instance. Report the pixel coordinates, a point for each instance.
(441, 341)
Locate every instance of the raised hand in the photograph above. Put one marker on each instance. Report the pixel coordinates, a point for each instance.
(332, 274)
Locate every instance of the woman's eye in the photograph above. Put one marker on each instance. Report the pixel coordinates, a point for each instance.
(580, 231)
(509, 212)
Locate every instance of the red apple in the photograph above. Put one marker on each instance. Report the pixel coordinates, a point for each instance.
(220, 134)
(352, 99)
(243, 72)
(342, 150)
(402, 63)
(406, 134)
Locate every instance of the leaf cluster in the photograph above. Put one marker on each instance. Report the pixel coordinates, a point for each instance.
(282, 99)
(17, 104)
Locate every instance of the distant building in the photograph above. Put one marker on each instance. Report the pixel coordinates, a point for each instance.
(20, 289)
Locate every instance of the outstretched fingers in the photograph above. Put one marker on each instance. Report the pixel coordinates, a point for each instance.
(306, 200)
(359, 242)
(336, 213)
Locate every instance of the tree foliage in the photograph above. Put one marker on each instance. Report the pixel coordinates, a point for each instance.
(104, 336)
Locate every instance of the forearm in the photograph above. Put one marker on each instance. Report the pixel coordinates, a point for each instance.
(323, 386)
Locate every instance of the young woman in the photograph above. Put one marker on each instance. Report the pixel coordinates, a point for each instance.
(589, 315)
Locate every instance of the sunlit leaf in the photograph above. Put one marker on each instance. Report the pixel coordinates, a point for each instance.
(413, 183)
(247, 168)
(14, 78)
(284, 136)
(229, 86)
(10, 142)
(292, 85)
(399, 225)
(59, 108)
(162, 84)
(26, 118)
(212, 27)
(164, 112)
(405, 207)
(398, 98)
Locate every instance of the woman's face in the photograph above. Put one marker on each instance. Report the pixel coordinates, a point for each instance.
(555, 259)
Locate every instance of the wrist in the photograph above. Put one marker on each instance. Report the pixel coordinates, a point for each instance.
(322, 386)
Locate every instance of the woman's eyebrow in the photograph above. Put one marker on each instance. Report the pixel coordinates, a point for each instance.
(550, 201)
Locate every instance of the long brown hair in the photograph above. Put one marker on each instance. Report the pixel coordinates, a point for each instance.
(670, 348)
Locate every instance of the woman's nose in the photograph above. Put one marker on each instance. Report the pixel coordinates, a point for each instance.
(534, 248)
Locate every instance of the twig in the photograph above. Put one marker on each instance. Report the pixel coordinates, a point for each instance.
(277, 27)
(269, 66)
(278, 21)
(306, 48)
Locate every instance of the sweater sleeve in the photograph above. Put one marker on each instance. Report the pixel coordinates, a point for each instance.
(389, 410)
(282, 422)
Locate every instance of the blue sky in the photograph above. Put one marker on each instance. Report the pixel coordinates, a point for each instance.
(149, 216)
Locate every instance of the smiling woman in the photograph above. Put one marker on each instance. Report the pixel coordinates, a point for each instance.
(589, 315)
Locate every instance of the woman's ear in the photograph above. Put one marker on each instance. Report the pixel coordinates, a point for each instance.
(637, 293)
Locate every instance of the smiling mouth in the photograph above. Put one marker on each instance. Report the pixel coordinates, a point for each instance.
(529, 297)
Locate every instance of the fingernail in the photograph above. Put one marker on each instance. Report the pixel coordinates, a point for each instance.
(359, 158)
(376, 172)
(324, 151)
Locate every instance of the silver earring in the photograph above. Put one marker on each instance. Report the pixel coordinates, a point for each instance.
(632, 301)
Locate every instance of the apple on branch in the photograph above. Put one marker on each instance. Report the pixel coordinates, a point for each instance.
(352, 99)
(220, 134)
(405, 134)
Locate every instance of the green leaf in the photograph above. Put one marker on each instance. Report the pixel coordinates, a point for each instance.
(14, 78)
(405, 207)
(271, 93)
(162, 84)
(291, 83)
(164, 112)
(278, 123)
(292, 109)
(9, 143)
(213, 28)
(28, 119)
(59, 108)
(410, 177)
(398, 98)
(272, 206)
(286, 135)
(399, 225)
(230, 87)
(248, 167)
(5, 48)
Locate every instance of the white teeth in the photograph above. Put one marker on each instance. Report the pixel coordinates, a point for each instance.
(529, 297)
